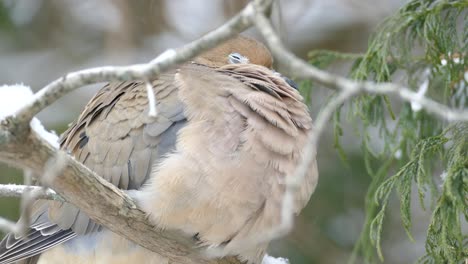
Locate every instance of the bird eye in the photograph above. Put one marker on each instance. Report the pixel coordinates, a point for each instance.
(236, 58)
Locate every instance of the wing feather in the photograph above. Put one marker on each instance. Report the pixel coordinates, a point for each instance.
(115, 138)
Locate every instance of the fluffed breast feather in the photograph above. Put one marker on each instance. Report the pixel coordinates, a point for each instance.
(246, 132)
(278, 122)
(275, 121)
(273, 113)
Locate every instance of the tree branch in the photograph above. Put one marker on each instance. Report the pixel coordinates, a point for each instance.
(56, 89)
(102, 201)
(14, 190)
(7, 226)
(303, 70)
(108, 205)
(347, 89)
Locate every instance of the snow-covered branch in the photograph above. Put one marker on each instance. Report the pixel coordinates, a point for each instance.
(56, 89)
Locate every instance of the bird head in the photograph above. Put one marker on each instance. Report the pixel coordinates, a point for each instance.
(239, 49)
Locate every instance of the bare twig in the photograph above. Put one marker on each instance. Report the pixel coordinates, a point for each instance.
(27, 201)
(13, 190)
(26, 204)
(293, 182)
(28, 195)
(52, 168)
(7, 226)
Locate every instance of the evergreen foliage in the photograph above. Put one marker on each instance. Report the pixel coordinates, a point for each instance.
(423, 46)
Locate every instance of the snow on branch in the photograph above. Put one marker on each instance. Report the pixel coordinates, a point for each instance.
(17, 96)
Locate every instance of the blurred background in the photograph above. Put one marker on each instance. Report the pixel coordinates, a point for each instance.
(42, 40)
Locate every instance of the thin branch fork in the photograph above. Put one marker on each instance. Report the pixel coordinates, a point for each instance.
(14, 190)
(303, 70)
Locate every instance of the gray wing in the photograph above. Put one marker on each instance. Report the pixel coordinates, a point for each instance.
(115, 137)
(41, 235)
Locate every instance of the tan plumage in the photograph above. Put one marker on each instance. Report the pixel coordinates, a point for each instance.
(216, 156)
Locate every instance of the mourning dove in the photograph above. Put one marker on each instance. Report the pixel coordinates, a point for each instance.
(211, 164)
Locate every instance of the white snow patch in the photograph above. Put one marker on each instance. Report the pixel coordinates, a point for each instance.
(443, 176)
(13, 98)
(50, 136)
(272, 260)
(398, 154)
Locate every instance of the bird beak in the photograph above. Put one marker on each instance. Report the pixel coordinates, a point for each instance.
(290, 82)
(287, 80)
